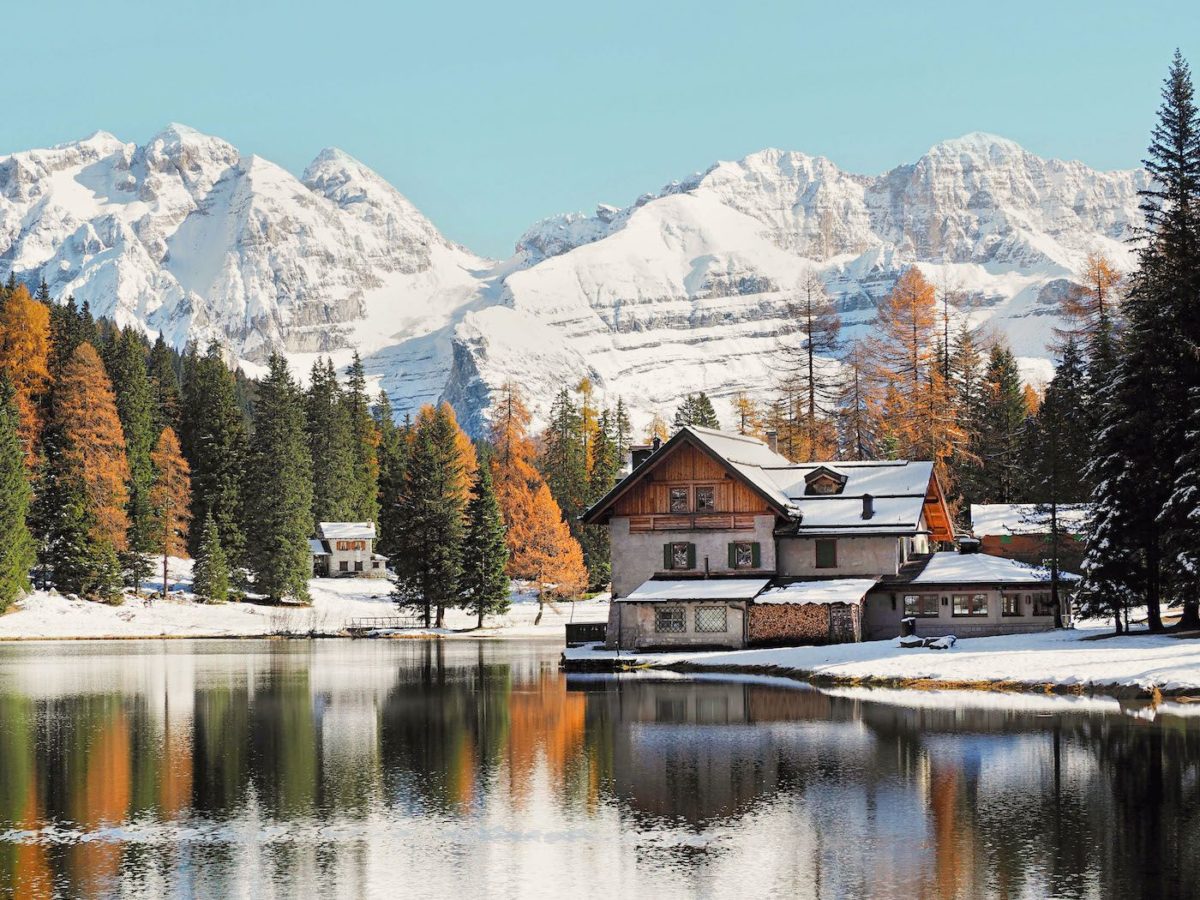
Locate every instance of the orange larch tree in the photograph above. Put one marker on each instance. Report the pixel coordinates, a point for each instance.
(85, 410)
(170, 498)
(24, 358)
(546, 554)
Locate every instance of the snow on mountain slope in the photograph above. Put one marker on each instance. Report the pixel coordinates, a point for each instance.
(683, 290)
(687, 289)
(187, 236)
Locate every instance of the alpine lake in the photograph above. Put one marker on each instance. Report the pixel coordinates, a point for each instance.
(462, 769)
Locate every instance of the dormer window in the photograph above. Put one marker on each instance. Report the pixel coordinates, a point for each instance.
(823, 481)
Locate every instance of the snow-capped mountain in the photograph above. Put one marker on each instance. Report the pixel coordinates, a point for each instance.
(683, 290)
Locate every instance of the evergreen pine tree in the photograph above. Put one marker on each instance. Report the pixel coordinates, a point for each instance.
(562, 460)
(214, 442)
(429, 555)
(394, 448)
(210, 574)
(594, 539)
(279, 489)
(125, 362)
(1146, 404)
(18, 552)
(330, 443)
(364, 500)
(1000, 437)
(696, 409)
(164, 381)
(483, 584)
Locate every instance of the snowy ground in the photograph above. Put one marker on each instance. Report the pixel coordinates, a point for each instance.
(1063, 659)
(336, 601)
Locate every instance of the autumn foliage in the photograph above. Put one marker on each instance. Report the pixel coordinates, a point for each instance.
(94, 444)
(24, 358)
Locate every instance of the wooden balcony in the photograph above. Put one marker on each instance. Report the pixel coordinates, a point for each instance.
(692, 522)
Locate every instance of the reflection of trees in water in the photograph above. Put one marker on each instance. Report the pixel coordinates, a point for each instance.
(849, 795)
(998, 802)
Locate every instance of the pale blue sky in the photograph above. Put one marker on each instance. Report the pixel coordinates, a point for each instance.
(491, 115)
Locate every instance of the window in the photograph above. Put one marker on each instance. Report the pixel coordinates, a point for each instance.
(711, 619)
(1043, 604)
(374, 564)
(358, 566)
(706, 499)
(827, 554)
(679, 555)
(679, 500)
(343, 566)
(744, 555)
(352, 545)
(922, 605)
(824, 486)
(969, 604)
(668, 620)
(1010, 604)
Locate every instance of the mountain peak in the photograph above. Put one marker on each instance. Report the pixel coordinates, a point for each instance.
(979, 142)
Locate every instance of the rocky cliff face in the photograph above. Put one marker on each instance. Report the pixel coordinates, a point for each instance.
(684, 289)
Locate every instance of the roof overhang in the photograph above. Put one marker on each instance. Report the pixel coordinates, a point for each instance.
(594, 514)
(711, 589)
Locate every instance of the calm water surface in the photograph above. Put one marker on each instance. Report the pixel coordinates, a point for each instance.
(458, 769)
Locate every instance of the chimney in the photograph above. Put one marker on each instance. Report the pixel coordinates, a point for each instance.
(773, 440)
(868, 506)
(655, 444)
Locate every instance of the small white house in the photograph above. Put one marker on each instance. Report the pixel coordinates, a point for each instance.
(346, 549)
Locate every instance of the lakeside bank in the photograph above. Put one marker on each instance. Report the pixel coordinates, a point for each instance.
(1071, 661)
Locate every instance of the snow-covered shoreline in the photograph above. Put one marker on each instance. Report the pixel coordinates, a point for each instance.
(47, 615)
(1054, 661)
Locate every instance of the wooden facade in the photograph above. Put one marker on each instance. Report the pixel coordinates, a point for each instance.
(648, 503)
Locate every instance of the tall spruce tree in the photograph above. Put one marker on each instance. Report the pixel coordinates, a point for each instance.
(330, 443)
(214, 442)
(125, 361)
(210, 574)
(483, 584)
(696, 409)
(562, 459)
(594, 539)
(364, 499)
(163, 369)
(999, 439)
(429, 556)
(395, 446)
(18, 553)
(279, 489)
(1146, 402)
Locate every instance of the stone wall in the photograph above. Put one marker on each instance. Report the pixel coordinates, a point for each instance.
(803, 623)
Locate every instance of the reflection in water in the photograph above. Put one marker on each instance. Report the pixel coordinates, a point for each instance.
(472, 769)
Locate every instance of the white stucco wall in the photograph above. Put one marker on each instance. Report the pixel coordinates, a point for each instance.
(855, 556)
(639, 556)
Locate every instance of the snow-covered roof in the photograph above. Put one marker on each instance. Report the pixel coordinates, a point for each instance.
(833, 590)
(316, 547)
(897, 488)
(347, 531)
(981, 568)
(750, 456)
(697, 589)
(988, 519)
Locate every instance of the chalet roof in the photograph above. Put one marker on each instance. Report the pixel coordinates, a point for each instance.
(347, 531)
(982, 568)
(317, 547)
(897, 489)
(654, 591)
(830, 590)
(989, 519)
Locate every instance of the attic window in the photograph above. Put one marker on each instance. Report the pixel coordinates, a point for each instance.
(824, 486)
(824, 481)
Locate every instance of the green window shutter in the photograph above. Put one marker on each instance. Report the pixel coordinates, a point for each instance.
(666, 556)
(691, 556)
(756, 553)
(732, 555)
